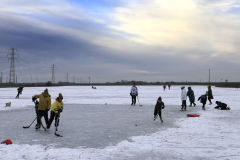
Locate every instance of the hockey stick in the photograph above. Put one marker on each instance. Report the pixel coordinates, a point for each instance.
(139, 102)
(56, 125)
(30, 124)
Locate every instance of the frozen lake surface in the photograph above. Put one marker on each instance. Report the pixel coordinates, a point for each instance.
(93, 130)
(95, 126)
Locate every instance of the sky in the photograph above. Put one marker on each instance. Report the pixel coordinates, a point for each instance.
(111, 41)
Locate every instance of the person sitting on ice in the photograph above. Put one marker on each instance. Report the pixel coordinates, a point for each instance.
(222, 106)
(158, 109)
(56, 109)
(203, 99)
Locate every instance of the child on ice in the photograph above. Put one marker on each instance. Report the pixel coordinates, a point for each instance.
(221, 106)
(158, 109)
(203, 99)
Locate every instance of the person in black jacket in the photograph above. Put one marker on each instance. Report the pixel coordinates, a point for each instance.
(203, 99)
(158, 109)
(20, 89)
(209, 93)
(221, 105)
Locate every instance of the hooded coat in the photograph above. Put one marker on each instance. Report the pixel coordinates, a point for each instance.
(183, 94)
(57, 105)
(191, 95)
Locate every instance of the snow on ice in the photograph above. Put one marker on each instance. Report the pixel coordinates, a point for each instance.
(213, 135)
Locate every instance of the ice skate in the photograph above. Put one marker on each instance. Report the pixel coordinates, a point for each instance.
(154, 118)
(38, 126)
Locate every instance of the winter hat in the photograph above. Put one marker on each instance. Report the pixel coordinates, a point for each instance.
(45, 91)
(60, 96)
(8, 141)
(182, 87)
(159, 99)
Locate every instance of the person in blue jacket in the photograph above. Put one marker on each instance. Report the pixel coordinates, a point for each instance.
(221, 105)
(203, 100)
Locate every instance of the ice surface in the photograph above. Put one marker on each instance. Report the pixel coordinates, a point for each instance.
(95, 126)
(110, 131)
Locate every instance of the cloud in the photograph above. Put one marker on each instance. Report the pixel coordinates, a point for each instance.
(135, 39)
(180, 25)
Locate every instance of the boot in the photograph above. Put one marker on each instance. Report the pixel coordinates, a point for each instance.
(38, 126)
(154, 118)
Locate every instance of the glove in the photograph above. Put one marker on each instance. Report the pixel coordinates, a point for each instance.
(130, 94)
(47, 109)
(34, 98)
(59, 110)
(136, 94)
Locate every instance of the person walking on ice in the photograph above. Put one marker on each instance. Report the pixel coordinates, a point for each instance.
(164, 87)
(183, 98)
(210, 95)
(203, 100)
(134, 93)
(43, 108)
(158, 109)
(191, 97)
(56, 109)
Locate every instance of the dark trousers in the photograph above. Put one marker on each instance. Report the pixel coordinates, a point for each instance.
(209, 100)
(18, 94)
(184, 104)
(159, 112)
(133, 99)
(203, 107)
(191, 102)
(40, 114)
(53, 114)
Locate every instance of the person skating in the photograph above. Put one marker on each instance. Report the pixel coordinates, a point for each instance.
(183, 98)
(210, 95)
(191, 96)
(158, 109)
(44, 106)
(169, 86)
(134, 93)
(203, 100)
(56, 109)
(20, 89)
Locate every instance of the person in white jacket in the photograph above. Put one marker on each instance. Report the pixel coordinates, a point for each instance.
(134, 93)
(183, 98)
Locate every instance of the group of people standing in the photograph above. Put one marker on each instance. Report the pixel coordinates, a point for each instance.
(190, 93)
(44, 105)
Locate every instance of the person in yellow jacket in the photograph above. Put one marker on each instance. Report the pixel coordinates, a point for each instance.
(43, 107)
(57, 107)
